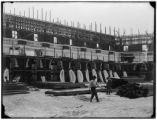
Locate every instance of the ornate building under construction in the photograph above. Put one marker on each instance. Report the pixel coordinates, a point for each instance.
(29, 45)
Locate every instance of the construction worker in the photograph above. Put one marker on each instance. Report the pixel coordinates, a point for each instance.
(93, 85)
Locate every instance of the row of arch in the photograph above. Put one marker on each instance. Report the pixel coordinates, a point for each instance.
(46, 62)
(69, 70)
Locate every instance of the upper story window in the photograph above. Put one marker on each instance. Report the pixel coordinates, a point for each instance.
(144, 48)
(14, 34)
(109, 48)
(84, 43)
(70, 41)
(55, 40)
(125, 48)
(97, 45)
(35, 37)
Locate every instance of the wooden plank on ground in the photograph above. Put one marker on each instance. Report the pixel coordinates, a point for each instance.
(73, 91)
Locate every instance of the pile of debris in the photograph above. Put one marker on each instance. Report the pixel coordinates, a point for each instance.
(132, 90)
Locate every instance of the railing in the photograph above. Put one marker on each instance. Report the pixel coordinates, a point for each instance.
(10, 46)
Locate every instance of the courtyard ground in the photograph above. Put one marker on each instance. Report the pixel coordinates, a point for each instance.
(38, 104)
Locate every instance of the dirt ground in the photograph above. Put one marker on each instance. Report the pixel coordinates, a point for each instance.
(38, 104)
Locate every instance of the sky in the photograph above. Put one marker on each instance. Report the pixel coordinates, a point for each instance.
(130, 17)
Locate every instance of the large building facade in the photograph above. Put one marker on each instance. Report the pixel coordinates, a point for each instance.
(33, 48)
(55, 39)
(33, 37)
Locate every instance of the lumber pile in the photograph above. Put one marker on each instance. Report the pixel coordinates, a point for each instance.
(132, 90)
(77, 91)
(58, 85)
(14, 88)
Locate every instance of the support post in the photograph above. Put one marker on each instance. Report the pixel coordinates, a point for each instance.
(70, 52)
(91, 55)
(62, 51)
(54, 52)
(114, 57)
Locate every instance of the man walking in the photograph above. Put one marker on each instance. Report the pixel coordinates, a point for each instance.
(92, 85)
